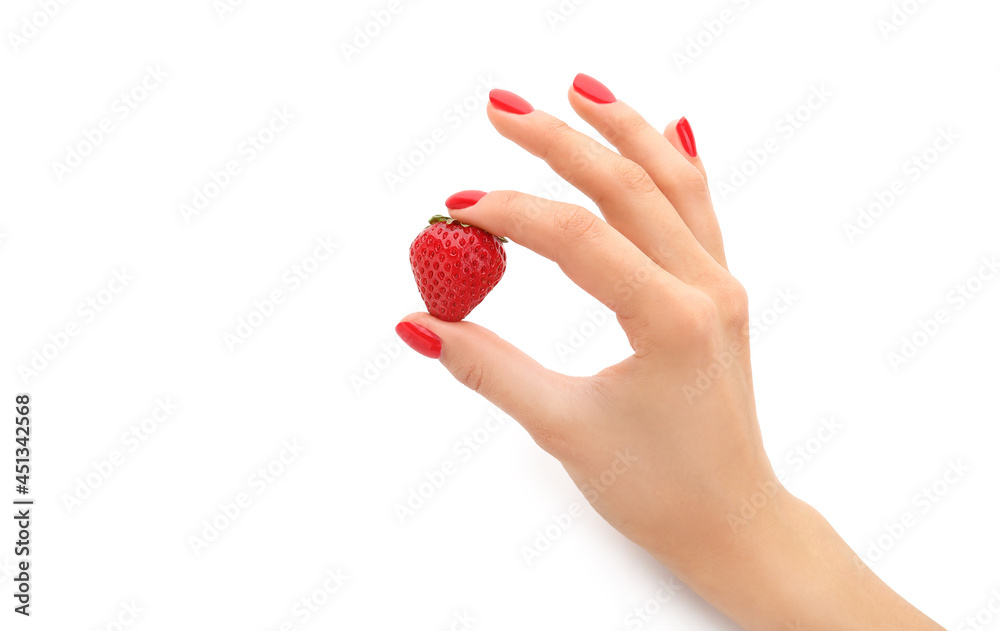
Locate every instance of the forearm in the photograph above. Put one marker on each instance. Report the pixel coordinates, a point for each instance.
(788, 569)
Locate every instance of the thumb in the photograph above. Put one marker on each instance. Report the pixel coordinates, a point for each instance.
(538, 398)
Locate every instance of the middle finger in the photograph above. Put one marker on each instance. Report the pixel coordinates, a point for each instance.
(626, 195)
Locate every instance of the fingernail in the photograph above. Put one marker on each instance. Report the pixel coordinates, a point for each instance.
(510, 102)
(419, 339)
(593, 89)
(687, 137)
(463, 199)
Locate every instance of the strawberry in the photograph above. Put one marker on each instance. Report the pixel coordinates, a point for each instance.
(455, 266)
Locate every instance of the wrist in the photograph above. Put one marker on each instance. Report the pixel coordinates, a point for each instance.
(785, 567)
(748, 561)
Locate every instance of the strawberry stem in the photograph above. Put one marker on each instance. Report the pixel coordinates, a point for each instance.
(449, 220)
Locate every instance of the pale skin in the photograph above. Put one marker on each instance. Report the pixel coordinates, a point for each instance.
(694, 454)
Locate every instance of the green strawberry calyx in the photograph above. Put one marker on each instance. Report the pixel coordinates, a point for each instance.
(448, 220)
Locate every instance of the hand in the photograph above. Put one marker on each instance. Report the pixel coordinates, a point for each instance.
(665, 444)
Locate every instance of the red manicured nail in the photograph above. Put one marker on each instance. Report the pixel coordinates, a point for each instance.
(687, 137)
(593, 89)
(510, 102)
(463, 199)
(419, 339)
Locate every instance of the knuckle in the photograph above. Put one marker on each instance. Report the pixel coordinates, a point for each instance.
(698, 315)
(472, 376)
(634, 122)
(691, 180)
(632, 127)
(557, 135)
(730, 298)
(576, 222)
(505, 199)
(516, 210)
(625, 125)
(633, 177)
(734, 304)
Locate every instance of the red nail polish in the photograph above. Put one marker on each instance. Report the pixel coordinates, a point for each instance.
(510, 102)
(687, 137)
(419, 339)
(593, 89)
(463, 199)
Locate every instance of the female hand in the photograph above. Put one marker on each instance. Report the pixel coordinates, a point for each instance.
(673, 427)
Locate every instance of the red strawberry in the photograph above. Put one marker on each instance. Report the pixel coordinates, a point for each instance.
(455, 266)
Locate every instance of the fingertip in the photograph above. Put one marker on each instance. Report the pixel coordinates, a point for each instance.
(592, 90)
(683, 130)
(681, 136)
(413, 332)
(464, 199)
(506, 101)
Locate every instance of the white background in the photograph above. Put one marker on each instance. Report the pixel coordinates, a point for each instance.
(374, 418)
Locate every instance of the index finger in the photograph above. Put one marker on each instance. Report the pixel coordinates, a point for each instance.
(592, 254)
